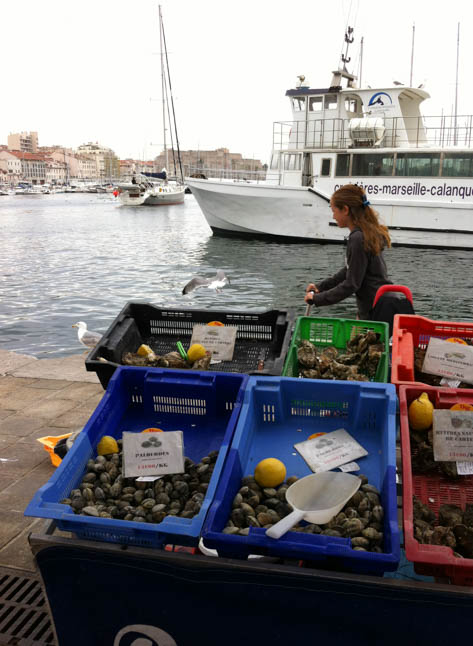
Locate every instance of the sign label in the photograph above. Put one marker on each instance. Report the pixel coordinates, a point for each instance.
(330, 450)
(450, 360)
(153, 454)
(219, 340)
(453, 436)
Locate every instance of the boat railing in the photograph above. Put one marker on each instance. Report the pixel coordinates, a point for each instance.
(246, 176)
(400, 132)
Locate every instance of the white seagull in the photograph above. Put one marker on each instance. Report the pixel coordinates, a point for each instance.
(218, 281)
(89, 339)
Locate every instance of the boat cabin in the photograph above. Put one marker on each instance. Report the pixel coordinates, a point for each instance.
(358, 132)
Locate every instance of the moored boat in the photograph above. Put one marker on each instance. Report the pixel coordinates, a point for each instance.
(417, 171)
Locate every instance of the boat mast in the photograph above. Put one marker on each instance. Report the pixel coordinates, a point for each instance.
(456, 90)
(412, 53)
(163, 88)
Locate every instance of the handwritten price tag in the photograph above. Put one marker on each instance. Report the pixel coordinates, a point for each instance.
(153, 454)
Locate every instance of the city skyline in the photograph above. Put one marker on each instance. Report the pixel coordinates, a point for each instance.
(230, 64)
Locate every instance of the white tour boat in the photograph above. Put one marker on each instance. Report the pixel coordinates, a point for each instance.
(417, 171)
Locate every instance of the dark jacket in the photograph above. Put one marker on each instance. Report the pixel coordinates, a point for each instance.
(362, 275)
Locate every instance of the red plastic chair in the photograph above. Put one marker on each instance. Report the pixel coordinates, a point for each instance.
(393, 288)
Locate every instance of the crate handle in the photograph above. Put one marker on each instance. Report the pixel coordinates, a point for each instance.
(178, 376)
(393, 288)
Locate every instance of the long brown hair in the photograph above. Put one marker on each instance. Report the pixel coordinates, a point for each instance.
(376, 235)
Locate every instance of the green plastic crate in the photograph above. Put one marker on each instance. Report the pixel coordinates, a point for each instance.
(323, 332)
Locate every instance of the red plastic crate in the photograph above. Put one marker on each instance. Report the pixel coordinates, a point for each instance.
(411, 331)
(433, 560)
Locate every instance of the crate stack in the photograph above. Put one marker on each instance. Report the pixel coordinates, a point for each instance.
(257, 407)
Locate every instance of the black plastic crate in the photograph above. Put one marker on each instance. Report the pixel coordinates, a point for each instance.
(261, 343)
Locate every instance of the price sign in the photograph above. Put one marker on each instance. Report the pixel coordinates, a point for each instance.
(450, 360)
(453, 436)
(220, 341)
(330, 450)
(153, 454)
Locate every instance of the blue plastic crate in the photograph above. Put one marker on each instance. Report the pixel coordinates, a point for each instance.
(282, 411)
(204, 405)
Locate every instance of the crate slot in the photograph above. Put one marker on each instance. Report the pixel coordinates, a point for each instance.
(180, 405)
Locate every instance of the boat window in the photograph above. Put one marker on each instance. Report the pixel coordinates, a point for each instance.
(418, 164)
(292, 162)
(373, 165)
(457, 165)
(298, 103)
(350, 105)
(325, 167)
(275, 161)
(315, 103)
(330, 101)
(343, 166)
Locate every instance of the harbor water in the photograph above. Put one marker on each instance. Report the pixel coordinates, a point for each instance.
(81, 257)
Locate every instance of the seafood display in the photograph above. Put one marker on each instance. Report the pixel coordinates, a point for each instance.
(145, 357)
(361, 519)
(358, 362)
(453, 527)
(105, 493)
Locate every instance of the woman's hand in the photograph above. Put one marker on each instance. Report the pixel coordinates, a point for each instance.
(311, 288)
(309, 297)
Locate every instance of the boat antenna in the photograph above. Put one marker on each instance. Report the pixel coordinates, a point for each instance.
(170, 92)
(349, 38)
(412, 52)
(361, 61)
(456, 89)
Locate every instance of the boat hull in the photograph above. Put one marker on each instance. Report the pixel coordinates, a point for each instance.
(165, 197)
(300, 214)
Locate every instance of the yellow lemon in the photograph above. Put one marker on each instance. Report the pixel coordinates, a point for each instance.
(455, 339)
(152, 430)
(216, 324)
(195, 352)
(421, 413)
(461, 406)
(270, 472)
(144, 350)
(107, 445)
(314, 435)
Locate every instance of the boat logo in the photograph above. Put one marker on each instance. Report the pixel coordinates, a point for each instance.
(380, 98)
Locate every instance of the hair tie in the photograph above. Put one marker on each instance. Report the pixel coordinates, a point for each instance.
(365, 201)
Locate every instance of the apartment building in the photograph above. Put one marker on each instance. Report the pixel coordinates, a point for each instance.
(56, 171)
(107, 163)
(11, 165)
(26, 142)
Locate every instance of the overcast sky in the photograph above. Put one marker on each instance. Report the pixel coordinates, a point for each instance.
(90, 70)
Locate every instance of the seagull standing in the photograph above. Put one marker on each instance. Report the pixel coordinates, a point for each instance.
(218, 281)
(87, 338)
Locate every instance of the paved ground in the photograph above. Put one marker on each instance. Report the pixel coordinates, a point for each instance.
(38, 397)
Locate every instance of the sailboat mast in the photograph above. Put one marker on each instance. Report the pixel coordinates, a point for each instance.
(163, 87)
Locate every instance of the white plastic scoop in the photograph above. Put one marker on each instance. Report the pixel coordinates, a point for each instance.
(316, 498)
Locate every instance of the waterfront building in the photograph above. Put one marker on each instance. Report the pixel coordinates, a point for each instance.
(11, 165)
(107, 163)
(209, 161)
(33, 166)
(23, 141)
(56, 171)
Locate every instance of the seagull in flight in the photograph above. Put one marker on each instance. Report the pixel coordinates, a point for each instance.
(87, 338)
(217, 282)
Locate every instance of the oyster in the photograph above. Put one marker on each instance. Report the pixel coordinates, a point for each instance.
(307, 354)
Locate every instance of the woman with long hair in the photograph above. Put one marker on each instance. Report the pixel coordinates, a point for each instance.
(365, 270)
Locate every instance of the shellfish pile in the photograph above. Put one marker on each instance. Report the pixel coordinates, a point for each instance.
(361, 519)
(169, 360)
(358, 363)
(105, 493)
(453, 527)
